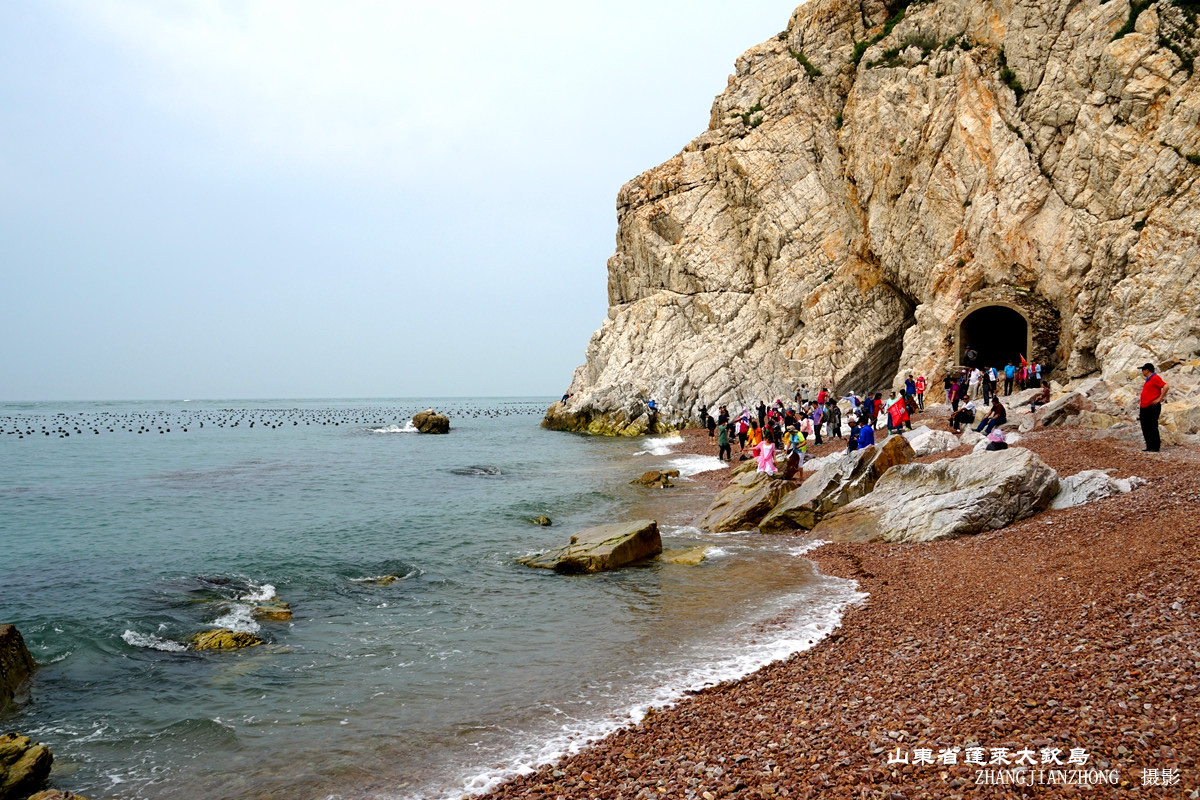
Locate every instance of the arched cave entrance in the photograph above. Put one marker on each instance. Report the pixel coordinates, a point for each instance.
(998, 333)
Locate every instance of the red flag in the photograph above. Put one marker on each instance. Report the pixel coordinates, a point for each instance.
(1024, 363)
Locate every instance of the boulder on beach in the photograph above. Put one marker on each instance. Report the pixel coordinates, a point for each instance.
(16, 664)
(1057, 412)
(687, 556)
(840, 482)
(602, 548)
(926, 441)
(429, 421)
(742, 504)
(1091, 485)
(225, 639)
(24, 766)
(952, 497)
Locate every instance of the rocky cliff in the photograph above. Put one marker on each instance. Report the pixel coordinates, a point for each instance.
(877, 174)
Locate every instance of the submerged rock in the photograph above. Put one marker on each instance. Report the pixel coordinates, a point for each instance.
(543, 520)
(601, 548)
(742, 504)
(840, 482)
(1091, 485)
(952, 497)
(687, 556)
(277, 612)
(429, 421)
(224, 639)
(16, 664)
(24, 766)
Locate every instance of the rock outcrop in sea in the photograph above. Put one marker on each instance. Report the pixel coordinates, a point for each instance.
(603, 547)
(16, 664)
(883, 184)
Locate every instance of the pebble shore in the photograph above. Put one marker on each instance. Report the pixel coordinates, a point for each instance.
(1075, 629)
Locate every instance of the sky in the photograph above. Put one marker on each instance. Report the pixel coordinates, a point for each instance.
(330, 199)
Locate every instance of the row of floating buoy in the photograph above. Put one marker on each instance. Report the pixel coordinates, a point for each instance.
(63, 425)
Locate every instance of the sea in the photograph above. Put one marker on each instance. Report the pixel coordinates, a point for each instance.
(421, 660)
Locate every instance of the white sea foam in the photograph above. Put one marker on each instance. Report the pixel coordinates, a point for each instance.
(716, 552)
(239, 618)
(260, 594)
(407, 427)
(690, 464)
(660, 446)
(806, 548)
(153, 642)
(815, 611)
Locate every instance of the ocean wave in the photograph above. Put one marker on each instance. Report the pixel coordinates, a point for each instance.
(716, 552)
(260, 593)
(238, 618)
(407, 427)
(660, 446)
(481, 470)
(149, 640)
(692, 464)
(822, 607)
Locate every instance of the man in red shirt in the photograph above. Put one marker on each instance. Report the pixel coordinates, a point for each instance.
(1150, 406)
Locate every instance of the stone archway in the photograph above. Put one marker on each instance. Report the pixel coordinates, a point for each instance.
(999, 332)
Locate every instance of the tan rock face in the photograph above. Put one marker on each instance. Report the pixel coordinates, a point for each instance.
(24, 765)
(841, 482)
(835, 224)
(742, 504)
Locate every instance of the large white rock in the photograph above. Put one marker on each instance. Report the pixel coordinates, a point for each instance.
(926, 442)
(951, 497)
(1091, 485)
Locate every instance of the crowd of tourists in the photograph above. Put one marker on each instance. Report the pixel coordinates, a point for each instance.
(765, 431)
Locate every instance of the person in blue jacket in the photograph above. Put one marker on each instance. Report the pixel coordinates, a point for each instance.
(866, 436)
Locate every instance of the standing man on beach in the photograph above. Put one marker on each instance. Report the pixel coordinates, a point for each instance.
(1150, 406)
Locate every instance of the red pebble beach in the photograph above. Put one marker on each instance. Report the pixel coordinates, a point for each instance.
(1072, 630)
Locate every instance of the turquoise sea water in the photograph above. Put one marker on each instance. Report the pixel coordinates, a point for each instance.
(115, 547)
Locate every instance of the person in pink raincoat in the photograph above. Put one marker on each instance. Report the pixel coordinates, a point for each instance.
(765, 452)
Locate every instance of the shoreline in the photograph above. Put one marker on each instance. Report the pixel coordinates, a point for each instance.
(1072, 629)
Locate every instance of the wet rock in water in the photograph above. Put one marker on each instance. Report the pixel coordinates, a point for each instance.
(742, 504)
(852, 476)
(278, 612)
(656, 478)
(16, 664)
(56, 794)
(952, 497)
(544, 521)
(1091, 485)
(429, 421)
(24, 766)
(601, 548)
(382, 580)
(224, 639)
(687, 556)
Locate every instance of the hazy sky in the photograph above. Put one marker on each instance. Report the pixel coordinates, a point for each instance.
(335, 199)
